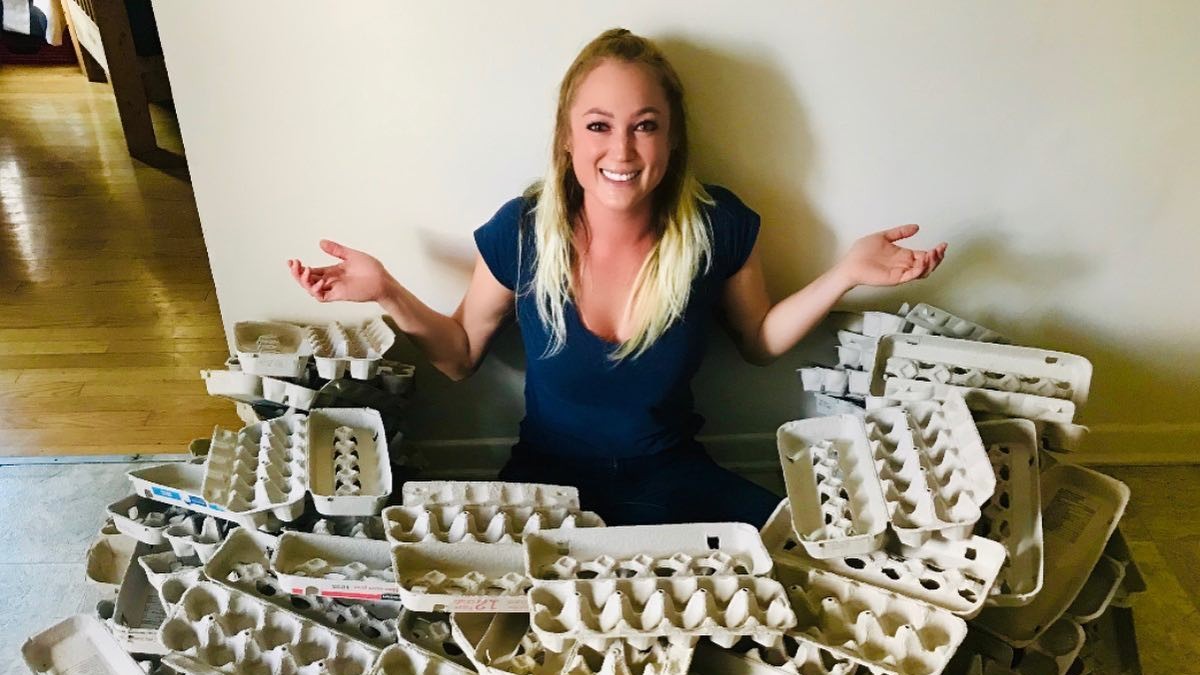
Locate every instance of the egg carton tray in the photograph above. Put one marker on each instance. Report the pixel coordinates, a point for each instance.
(197, 536)
(489, 493)
(260, 468)
(1001, 403)
(243, 563)
(145, 519)
(357, 527)
(107, 559)
(244, 387)
(699, 549)
(1098, 591)
(171, 575)
(1061, 437)
(925, 319)
(335, 567)
(503, 644)
(138, 613)
(271, 348)
(349, 470)
(471, 522)
(955, 575)
(827, 405)
(214, 628)
(888, 633)
(1111, 647)
(855, 351)
(181, 484)
(789, 657)
(357, 348)
(640, 610)
(464, 577)
(837, 504)
(1013, 515)
(433, 634)
(870, 324)
(1080, 511)
(849, 383)
(78, 644)
(407, 659)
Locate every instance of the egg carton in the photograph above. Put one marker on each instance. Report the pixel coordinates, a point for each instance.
(1133, 583)
(925, 319)
(78, 644)
(357, 348)
(849, 383)
(470, 522)
(271, 348)
(640, 610)
(700, 549)
(145, 519)
(1111, 647)
(1013, 515)
(489, 493)
(888, 633)
(789, 657)
(406, 659)
(349, 470)
(1080, 511)
(432, 633)
(259, 468)
(1055, 651)
(837, 504)
(975, 378)
(107, 559)
(335, 567)
(465, 577)
(214, 628)
(1098, 591)
(870, 324)
(503, 644)
(826, 405)
(171, 575)
(357, 527)
(138, 613)
(622, 658)
(1002, 403)
(1061, 437)
(181, 484)
(955, 575)
(197, 536)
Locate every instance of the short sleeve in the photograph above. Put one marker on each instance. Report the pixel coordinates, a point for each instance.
(498, 240)
(734, 230)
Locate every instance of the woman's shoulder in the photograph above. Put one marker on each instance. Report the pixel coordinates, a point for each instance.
(734, 228)
(726, 204)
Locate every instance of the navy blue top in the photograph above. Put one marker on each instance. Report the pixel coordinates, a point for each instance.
(579, 402)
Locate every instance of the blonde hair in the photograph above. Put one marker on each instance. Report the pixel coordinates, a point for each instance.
(683, 243)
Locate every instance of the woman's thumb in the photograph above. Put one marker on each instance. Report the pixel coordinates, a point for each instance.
(335, 249)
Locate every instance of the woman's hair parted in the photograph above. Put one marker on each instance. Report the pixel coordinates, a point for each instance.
(683, 243)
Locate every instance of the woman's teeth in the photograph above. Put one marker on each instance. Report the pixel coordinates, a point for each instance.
(619, 177)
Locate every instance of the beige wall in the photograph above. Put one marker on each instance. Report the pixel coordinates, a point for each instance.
(1054, 145)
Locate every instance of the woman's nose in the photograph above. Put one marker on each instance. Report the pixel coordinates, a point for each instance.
(625, 145)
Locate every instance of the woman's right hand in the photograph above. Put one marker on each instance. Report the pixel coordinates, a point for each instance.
(359, 277)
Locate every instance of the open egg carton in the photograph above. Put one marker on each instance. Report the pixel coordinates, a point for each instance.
(197, 536)
(271, 348)
(789, 657)
(472, 522)
(107, 559)
(467, 576)
(925, 319)
(335, 567)
(1055, 652)
(357, 527)
(145, 519)
(349, 472)
(259, 469)
(75, 642)
(171, 575)
(432, 633)
(357, 348)
(846, 382)
(307, 391)
(489, 493)
(407, 659)
(182, 484)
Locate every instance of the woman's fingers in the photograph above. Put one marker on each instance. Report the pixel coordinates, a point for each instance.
(902, 232)
(335, 249)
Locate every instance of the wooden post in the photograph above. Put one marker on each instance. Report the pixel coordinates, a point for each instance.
(126, 77)
(90, 67)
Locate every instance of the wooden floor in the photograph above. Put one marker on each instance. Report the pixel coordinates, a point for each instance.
(107, 309)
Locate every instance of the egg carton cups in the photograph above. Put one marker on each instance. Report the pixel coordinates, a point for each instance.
(465, 577)
(171, 575)
(489, 493)
(359, 348)
(640, 610)
(406, 659)
(260, 468)
(335, 567)
(357, 527)
(349, 470)
(870, 324)
(700, 549)
(77, 641)
(621, 658)
(1013, 515)
(138, 613)
(789, 657)
(107, 559)
(236, 385)
(470, 522)
(837, 504)
(271, 348)
(1055, 651)
(218, 629)
(1080, 511)
(197, 536)
(848, 383)
(181, 484)
(925, 319)
(955, 575)
(886, 632)
(1001, 403)
(504, 644)
(144, 519)
(432, 633)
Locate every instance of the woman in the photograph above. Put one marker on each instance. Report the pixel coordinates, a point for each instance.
(615, 264)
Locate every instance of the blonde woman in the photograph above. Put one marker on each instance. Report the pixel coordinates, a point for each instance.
(615, 265)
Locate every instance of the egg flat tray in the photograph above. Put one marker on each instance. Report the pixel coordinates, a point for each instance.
(472, 522)
(489, 493)
(349, 470)
(335, 567)
(465, 577)
(259, 468)
(1013, 516)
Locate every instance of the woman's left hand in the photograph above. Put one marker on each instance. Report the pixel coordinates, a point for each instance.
(876, 260)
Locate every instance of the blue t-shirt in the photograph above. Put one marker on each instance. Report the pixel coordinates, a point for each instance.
(579, 402)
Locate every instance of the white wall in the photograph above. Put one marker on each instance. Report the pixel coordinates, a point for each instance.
(1053, 145)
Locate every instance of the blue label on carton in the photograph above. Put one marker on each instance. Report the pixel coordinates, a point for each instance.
(164, 492)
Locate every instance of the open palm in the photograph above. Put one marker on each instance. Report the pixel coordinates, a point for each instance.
(876, 260)
(359, 277)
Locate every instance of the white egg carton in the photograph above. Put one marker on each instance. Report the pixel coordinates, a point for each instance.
(258, 469)
(641, 610)
(407, 659)
(358, 348)
(925, 319)
(1055, 650)
(837, 504)
(471, 522)
(1061, 437)
(622, 658)
(145, 519)
(870, 324)
(181, 483)
(77, 645)
(848, 383)
(271, 348)
(1098, 591)
(464, 577)
(432, 633)
(1080, 511)
(700, 549)
(1013, 515)
(349, 470)
(217, 629)
(335, 567)
(886, 632)
(107, 559)
(789, 657)
(1002, 403)
(197, 536)
(171, 575)
(489, 493)
(955, 575)
(137, 614)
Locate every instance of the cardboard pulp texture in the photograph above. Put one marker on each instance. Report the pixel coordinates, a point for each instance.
(1080, 510)
(335, 567)
(622, 658)
(1111, 646)
(503, 644)
(825, 405)
(472, 522)
(259, 469)
(1002, 403)
(196, 536)
(138, 613)
(107, 559)
(171, 575)
(357, 348)
(464, 577)
(79, 644)
(700, 549)
(838, 507)
(215, 629)
(405, 659)
(490, 493)
(145, 519)
(432, 633)
(954, 575)
(271, 348)
(825, 380)
(641, 610)
(180, 483)
(358, 527)
(349, 472)
(925, 319)
(789, 657)
(1013, 516)
(1098, 591)
(890, 634)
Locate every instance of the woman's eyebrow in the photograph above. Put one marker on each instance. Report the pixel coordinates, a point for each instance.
(605, 113)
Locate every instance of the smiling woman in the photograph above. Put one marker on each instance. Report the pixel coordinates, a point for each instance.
(615, 265)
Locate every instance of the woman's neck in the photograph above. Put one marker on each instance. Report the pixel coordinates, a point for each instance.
(607, 230)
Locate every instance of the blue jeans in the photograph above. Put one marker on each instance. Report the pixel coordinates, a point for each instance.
(681, 485)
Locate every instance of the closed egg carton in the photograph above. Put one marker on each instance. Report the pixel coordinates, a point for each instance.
(986, 401)
(433, 633)
(144, 519)
(349, 470)
(260, 468)
(171, 575)
(472, 522)
(271, 348)
(837, 506)
(925, 319)
(436, 576)
(824, 380)
(489, 493)
(358, 348)
(698, 549)
(789, 657)
(225, 630)
(406, 659)
(641, 610)
(76, 640)
(335, 567)
(1013, 515)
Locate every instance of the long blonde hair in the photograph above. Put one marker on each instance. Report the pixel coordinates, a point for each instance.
(683, 243)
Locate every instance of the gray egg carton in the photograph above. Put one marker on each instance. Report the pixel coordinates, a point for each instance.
(1098, 591)
(472, 522)
(259, 469)
(489, 493)
(357, 348)
(838, 506)
(171, 575)
(137, 613)
(1013, 515)
(107, 559)
(349, 470)
(925, 319)
(789, 657)
(271, 348)
(641, 610)
(888, 633)
(145, 519)
(74, 642)
(432, 633)
(358, 527)
(504, 644)
(467, 576)
(197, 536)
(335, 567)
(217, 629)
(407, 659)
(181, 483)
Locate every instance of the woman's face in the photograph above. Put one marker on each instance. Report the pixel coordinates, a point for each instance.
(620, 141)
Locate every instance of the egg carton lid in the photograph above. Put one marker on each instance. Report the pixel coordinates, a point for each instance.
(925, 319)
(1006, 403)
(297, 548)
(1016, 440)
(75, 641)
(480, 522)
(470, 576)
(138, 612)
(449, 493)
(374, 462)
(407, 659)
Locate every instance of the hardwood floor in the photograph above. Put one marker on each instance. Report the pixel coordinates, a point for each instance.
(107, 308)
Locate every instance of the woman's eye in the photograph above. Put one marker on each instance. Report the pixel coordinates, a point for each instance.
(647, 125)
(597, 126)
